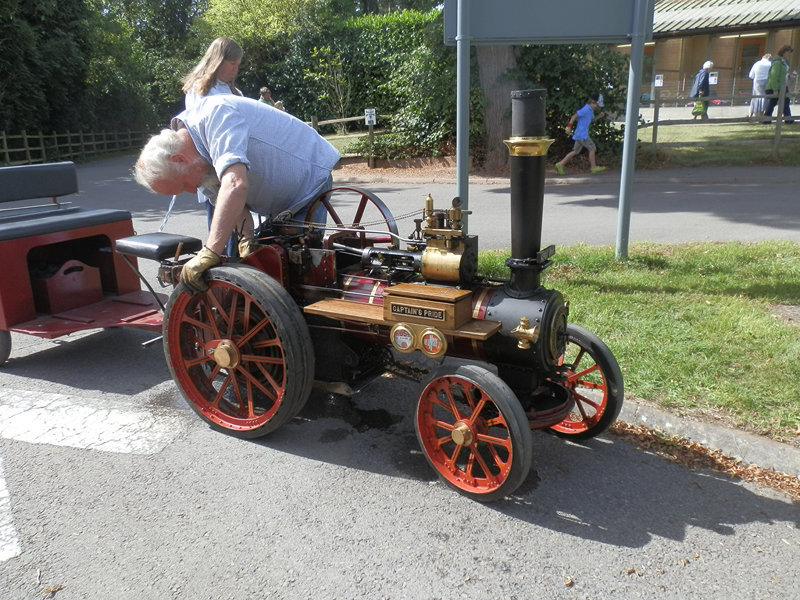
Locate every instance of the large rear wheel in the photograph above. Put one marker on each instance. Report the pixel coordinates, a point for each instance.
(474, 432)
(594, 379)
(240, 352)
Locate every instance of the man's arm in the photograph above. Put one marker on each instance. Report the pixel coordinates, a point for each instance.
(230, 212)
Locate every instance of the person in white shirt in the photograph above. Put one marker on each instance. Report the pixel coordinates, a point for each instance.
(758, 73)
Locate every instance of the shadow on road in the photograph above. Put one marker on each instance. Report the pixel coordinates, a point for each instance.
(108, 360)
(606, 490)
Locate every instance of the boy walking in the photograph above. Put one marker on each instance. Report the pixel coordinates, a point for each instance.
(584, 118)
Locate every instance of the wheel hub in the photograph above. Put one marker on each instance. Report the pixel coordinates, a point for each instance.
(226, 355)
(462, 434)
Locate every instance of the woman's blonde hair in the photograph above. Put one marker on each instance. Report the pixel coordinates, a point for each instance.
(204, 75)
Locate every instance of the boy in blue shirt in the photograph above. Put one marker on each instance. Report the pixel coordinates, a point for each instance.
(584, 118)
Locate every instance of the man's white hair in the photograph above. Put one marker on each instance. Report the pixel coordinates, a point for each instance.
(708, 64)
(154, 162)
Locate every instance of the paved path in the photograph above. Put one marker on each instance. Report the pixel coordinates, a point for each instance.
(111, 487)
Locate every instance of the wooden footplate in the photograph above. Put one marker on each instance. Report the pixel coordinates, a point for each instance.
(373, 314)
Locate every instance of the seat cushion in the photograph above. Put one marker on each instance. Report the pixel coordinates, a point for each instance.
(157, 246)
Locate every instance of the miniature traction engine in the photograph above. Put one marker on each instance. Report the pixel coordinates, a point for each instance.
(339, 303)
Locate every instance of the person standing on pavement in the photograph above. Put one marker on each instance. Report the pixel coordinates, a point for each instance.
(700, 89)
(582, 120)
(245, 155)
(265, 96)
(215, 73)
(758, 73)
(777, 79)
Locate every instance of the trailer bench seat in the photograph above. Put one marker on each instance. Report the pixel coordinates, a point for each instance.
(38, 232)
(49, 180)
(64, 219)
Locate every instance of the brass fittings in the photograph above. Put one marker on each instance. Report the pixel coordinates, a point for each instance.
(525, 334)
(528, 146)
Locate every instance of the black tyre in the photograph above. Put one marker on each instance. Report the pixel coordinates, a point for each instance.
(5, 346)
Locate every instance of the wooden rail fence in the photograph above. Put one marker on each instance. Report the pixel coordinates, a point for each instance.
(25, 148)
(779, 119)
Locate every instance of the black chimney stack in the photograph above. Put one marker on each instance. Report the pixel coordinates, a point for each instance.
(528, 152)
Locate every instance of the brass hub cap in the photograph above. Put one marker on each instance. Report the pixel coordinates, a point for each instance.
(226, 355)
(462, 434)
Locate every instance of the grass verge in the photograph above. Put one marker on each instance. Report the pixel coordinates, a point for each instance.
(694, 327)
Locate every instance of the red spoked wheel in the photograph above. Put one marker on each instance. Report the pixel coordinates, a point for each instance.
(594, 379)
(474, 432)
(240, 352)
(354, 208)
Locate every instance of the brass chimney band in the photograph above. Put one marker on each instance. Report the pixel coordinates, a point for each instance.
(528, 146)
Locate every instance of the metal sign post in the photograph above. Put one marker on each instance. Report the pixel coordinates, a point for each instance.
(370, 119)
(502, 22)
(631, 122)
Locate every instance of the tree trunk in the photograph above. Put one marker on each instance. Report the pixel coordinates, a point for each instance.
(493, 63)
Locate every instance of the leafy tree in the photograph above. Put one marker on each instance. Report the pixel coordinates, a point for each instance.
(328, 73)
(43, 62)
(118, 93)
(161, 32)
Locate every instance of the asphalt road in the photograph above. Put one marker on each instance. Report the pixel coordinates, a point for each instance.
(111, 487)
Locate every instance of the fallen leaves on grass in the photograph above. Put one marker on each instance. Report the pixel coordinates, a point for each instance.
(694, 455)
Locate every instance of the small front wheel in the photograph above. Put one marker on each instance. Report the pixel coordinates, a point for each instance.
(594, 379)
(474, 432)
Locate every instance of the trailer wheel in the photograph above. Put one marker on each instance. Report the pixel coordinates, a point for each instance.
(474, 432)
(355, 208)
(594, 379)
(5, 346)
(240, 352)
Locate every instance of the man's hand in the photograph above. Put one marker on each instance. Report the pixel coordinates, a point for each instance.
(247, 246)
(192, 273)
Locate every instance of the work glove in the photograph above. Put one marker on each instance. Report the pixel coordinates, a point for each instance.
(246, 246)
(283, 216)
(192, 272)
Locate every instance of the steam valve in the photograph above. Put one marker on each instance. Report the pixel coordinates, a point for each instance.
(525, 334)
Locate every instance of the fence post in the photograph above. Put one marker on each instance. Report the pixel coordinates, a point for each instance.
(779, 121)
(371, 149)
(656, 103)
(25, 147)
(6, 156)
(315, 123)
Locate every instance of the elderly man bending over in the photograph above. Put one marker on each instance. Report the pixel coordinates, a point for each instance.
(247, 155)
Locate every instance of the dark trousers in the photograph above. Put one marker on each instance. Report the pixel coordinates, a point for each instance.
(773, 102)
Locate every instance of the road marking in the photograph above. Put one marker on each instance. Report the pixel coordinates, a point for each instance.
(9, 542)
(90, 423)
(87, 423)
